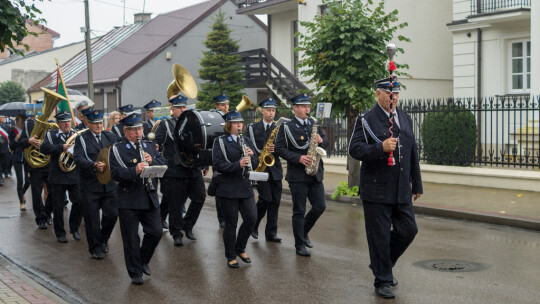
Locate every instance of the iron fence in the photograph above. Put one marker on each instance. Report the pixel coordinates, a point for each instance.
(491, 6)
(499, 131)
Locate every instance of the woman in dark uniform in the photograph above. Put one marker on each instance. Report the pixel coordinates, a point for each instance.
(234, 187)
(17, 157)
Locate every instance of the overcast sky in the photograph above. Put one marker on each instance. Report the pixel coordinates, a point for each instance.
(67, 16)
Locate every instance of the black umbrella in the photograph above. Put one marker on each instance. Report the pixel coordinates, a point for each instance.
(13, 109)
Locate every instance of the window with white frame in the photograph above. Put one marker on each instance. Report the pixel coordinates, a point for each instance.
(520, 66)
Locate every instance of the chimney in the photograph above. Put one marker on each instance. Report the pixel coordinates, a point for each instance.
(142, 17)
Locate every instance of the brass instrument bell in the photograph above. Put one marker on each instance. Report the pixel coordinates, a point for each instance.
(183, 82)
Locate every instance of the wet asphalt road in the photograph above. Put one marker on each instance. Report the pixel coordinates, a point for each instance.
(337, 271)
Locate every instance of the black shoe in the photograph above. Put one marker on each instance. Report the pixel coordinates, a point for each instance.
(307, 242)
(222, 224)
(385, 292)
(303, 252)
(105, 248)
(165, 225)
(76, 236)
(178, 240)
(146, 269)
(233, 265)
(42, 226)
(273, 238)
(255, 234)
(136, 281)
(246, 260)
(189, 235)
(97, 255)
(62, 239)
(49, 221)
(394, 282)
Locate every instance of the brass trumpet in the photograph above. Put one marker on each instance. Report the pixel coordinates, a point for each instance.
(33, 156)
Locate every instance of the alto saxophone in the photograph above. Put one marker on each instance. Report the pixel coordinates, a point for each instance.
(314, 151)
(266, 159)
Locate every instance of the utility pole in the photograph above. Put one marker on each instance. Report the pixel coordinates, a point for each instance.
(88, 51)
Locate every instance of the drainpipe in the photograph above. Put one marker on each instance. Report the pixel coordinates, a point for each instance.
(479, 91)
(118, 97)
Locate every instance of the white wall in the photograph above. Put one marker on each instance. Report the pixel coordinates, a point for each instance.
(461, 9)
(535, 48)
(282, 38)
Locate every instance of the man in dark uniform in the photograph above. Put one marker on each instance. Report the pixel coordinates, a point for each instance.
(5, 157)
(150, 107)
(138, 202)
(54, 144)
(385, 189)
(82, 109)
(269, 191)
(38, 177)
(180, 182)
(222, 107)
(118, 129)
(96, 196)
(292, 144)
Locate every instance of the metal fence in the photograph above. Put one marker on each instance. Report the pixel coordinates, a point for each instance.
(500, 131)
(491, 6)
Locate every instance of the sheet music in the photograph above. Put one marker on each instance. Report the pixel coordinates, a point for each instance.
(153, 171)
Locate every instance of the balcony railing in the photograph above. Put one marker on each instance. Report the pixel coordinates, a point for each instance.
(496, 6)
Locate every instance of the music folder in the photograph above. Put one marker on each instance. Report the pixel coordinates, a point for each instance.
(153, 171)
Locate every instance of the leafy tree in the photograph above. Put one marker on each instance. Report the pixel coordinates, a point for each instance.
(219, 67)
(13, 17)
(344, 52)
(11, 91)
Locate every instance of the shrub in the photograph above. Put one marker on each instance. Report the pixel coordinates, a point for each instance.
(343, 189)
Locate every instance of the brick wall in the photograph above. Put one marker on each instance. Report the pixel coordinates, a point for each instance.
(43, 42)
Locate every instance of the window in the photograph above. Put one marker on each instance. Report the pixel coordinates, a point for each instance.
(520, 66)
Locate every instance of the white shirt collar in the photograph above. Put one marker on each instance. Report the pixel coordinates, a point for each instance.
(303, 121)
(234, 137)
(396, 116)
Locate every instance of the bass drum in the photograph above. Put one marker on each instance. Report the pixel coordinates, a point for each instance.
(194, 136)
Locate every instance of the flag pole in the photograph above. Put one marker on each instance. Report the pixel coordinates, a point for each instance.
(59, 71)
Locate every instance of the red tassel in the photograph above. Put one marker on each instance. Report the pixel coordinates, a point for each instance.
(392, 66)
(391, 160)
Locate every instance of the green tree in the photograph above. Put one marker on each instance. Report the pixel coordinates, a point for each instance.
(11, 91)
(13, 17)
(219, 67)
(344, 52)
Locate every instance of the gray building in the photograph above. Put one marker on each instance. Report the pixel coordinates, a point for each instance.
(133, 64)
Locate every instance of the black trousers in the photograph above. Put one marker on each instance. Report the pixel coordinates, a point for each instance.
(75, 216)
(179, 189)
(135, 254)
(41, 211)
(302, 222)
(5, 160)
(23, 182)
(269, 200)
(219, 209)
(98, 231)
(164, 206)
(231, 206)
(390, 229)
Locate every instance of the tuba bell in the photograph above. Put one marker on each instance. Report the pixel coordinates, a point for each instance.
(66, 162)
(245, 104)
(183, 82)
(33, 156)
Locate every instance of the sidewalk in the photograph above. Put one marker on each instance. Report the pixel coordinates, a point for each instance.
(16, 287)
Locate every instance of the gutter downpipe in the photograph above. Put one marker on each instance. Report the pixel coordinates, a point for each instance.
(479, 92)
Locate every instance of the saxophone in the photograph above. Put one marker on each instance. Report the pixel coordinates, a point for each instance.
(266, 159)
(314, 151)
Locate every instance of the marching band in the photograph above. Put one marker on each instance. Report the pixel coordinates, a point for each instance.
(105, 174)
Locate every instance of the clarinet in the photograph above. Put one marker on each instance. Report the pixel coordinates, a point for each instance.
(243, 145)
(149, 183)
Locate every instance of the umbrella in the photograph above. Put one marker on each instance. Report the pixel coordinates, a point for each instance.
(13, 109)
(75, 97)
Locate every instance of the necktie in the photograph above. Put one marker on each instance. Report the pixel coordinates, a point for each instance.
(99, 141)
(63, 136)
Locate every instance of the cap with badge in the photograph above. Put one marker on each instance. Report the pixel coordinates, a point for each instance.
(133, 120)
(63, 116)
(268, 103)
(152, 105)
(178, 101)
(384, 84)
(87, 111)
(233, 116)
(301, 99)
(221, 98)
(126, 109)
(94, 116)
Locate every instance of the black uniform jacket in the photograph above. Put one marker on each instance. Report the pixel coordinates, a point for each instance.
(27, 131)
(132, 192)
(291, 143)
(4, 144)
(164, 138)
(147, 127)
(86, 153)
(259, 137)
(17, 149)
(118, 130)
(232, 182)
(376, 177)
(53, 144)
(80, 127)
